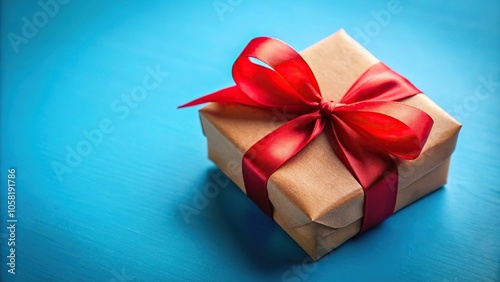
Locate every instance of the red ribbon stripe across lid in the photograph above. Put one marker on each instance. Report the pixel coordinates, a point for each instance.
(368, 129)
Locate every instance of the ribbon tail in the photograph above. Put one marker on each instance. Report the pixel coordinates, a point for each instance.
(374, 169)
(227, 95)
(381, 196)
(273, 150)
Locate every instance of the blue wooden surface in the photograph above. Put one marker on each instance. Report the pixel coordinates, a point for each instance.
(115, 71)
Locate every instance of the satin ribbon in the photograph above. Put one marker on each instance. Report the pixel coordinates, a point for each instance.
(368, 130)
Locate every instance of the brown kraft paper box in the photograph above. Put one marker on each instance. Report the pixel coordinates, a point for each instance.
(315, 198)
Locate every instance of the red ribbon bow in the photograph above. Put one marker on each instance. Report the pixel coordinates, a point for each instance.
(366, 128)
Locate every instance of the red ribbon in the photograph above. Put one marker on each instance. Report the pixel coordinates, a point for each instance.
(367, 129)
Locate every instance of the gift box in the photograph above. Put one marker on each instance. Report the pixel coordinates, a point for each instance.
(314, 196)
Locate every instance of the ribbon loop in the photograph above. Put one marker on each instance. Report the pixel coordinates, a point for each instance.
(286, 82)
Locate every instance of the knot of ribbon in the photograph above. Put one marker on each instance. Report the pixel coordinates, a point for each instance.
(367, 128)
(327, 106)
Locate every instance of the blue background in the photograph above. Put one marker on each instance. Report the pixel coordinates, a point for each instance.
(116, 215)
